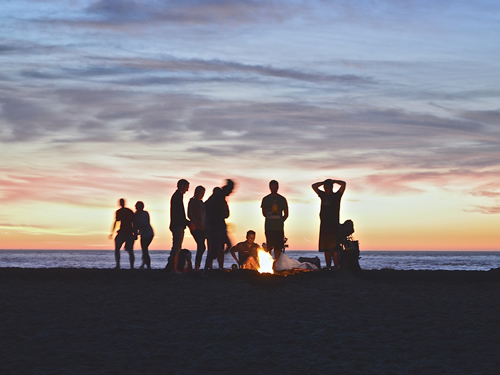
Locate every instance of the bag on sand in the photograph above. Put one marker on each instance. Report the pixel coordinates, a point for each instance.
(314, 261)
(285, 263)
(349, 258)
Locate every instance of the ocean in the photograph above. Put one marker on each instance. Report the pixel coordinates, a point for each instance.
(370, 260)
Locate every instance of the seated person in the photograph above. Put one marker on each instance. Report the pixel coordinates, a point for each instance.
(247, 252)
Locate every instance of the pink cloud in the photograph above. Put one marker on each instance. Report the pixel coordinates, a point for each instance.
(487, 209)
(83, 184)
(409, 182)
(487, 194)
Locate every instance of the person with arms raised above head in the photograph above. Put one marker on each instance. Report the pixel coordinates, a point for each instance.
(329, 220)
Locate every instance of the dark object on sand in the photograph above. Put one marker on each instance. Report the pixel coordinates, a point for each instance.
(349, 254)
(314, 261)
(184, 262)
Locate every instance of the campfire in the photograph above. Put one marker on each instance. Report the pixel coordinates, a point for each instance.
(265, 262)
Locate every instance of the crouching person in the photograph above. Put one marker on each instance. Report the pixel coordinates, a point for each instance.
(248, 258)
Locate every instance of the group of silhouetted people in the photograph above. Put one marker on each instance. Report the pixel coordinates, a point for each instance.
(132, 225)
(206, 221)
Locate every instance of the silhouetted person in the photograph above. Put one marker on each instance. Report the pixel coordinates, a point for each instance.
(196, 214)
(329, 216)
(217, 210)
(275, 210)
(248, 256)
(144, 229)
(125, 235)
(178, 221)
(227, 243)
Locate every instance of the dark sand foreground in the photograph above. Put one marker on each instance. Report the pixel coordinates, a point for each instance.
(84, 321)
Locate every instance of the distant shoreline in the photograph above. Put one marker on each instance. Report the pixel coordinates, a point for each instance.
(369, 260)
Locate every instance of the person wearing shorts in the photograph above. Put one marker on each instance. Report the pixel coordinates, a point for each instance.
(125, 235)
(275, 210)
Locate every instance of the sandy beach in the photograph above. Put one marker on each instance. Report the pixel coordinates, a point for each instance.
(90, 321)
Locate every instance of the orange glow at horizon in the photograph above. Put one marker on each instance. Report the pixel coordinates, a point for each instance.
(392, 223)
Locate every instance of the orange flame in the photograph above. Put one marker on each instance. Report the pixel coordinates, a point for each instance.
(265, 262)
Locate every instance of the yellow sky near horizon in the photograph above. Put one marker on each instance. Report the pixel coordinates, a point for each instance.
(390, 223)
(103, 100)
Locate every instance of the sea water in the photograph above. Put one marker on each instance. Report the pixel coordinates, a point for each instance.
(370, 260)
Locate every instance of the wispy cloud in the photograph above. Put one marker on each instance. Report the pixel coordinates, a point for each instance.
(387, 137)
(190, 12)
(165, 71)
(488, 210)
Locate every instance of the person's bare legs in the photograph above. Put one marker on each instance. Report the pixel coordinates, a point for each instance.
(328, 259)
(117, 259)
(177, 238)
(129, 247)
(251, 264)
(175, 263)
(336, 260)
(277, 254)
(118, 246)
(220, 259)
(131, 258)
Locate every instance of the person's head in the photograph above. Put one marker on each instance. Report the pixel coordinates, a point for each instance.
(122, 202)
(139, 206)
(273, 186)
(199, 192)
(227, 189)
(251, 236)
(328, 184)
(183, 185)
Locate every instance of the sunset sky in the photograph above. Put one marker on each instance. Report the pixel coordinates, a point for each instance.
(107, 99)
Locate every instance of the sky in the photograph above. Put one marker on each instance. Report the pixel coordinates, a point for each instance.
(101, 100)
